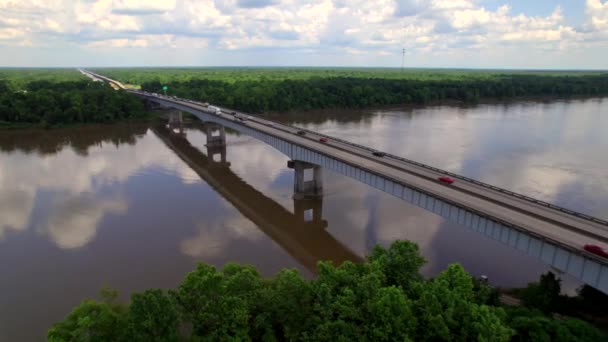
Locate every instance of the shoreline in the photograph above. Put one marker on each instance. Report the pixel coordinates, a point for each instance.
(452, 103)
(279, 116)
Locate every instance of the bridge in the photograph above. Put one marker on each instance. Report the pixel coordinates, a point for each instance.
(553, 234)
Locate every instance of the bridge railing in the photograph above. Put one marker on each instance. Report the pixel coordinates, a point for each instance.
(454, 175)
(457, 176)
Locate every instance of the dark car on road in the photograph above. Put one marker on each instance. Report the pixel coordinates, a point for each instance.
(446, 179)
(597, 250)
(300, 133)
(379, 154)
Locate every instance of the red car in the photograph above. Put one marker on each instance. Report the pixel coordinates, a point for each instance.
(446, 179)
(323, 140)
(597, 250)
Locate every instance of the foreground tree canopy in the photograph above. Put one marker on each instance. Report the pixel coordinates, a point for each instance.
(383, 299)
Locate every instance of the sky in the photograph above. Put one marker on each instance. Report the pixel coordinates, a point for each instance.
(521, 34)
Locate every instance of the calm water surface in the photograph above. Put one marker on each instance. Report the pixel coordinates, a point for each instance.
(134, 207)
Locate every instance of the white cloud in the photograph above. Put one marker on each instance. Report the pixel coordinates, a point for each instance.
(372, 30)
(138, 7)
(213, 238)
(15, 209)
(75, 213)
(598, 14)
(74, 219)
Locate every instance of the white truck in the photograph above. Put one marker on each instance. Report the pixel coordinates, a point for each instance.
(215, 110)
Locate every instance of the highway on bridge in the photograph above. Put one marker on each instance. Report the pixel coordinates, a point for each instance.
(560, 226)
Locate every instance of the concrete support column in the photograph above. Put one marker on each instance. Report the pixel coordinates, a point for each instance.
(217, 150)
(309, 211)
(215, 140)
(151, 105)
(176, 122)
(302, 187)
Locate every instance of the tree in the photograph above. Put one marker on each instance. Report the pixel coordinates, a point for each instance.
(152, 316)
(544, 295)
(533, 325)
(445, 310)
(90, 321)
(216, 303)
(370, 301)
(400, 264)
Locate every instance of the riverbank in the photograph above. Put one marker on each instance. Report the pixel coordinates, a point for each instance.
(149, 117)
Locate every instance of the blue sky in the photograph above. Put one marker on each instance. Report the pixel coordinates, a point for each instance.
(538, 34)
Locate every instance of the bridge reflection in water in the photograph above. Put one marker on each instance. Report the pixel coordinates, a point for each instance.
(302, 233)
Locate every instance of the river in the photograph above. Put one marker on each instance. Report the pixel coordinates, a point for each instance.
(134, 207)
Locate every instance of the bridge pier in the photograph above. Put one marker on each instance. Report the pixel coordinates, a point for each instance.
(309, 211)
(213, 151)
(152, 105)
(213, 139)
(303, 188)
(176, 122)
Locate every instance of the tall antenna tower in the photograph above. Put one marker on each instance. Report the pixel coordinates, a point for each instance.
(402, 58)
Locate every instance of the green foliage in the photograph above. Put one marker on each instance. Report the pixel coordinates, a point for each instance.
(55, 97)
(219, 303)
(544, 295)
(383, 299)
(282, 89)
(152, 316)
(18, 78)
(486, 294)
(92, 321)
(446, 310)
(533, 325)
(163, 76)
(400, 264)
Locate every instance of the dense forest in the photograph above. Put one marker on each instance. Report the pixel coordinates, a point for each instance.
(53, 97)
(283, 89)
(58, 96)
(138, 76)
(382, 299)
(265, 95)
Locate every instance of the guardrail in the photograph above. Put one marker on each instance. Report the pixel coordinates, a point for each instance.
(476, 182)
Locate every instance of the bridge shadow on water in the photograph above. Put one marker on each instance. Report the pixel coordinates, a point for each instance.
(302, 233)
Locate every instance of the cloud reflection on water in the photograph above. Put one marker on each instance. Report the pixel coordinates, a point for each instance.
(75, 180)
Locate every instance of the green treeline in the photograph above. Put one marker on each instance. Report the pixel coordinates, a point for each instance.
(263, 95)
(383, 299)
(47, 102)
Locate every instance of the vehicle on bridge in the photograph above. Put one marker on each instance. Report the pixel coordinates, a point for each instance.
(597, 250)
(301, 132)
(215, 110)
(446, 179)
(379, 153)
(323, 140)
